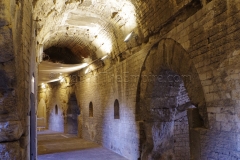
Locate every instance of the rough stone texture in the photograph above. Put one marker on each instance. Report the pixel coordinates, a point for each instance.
(10, 150)
(199, 38)
(93, 27)
(163, 103)
(16, 43)
(10, 131)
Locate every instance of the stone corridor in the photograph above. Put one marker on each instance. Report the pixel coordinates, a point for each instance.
(60, 146)
(143, 79)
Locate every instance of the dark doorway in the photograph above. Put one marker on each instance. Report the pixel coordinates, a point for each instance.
(73, 112)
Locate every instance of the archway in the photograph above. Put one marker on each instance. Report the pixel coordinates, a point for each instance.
(169, 85)
(73, 112)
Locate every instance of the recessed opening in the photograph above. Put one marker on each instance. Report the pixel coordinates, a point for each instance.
(116, 110)
(90, 109)
(56, 109)
(73, 110)
(60, 55)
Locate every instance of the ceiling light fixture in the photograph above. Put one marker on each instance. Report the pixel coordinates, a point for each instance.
(88, 70)
(104, 57)
(43, 85)
(128, 37)
(84, 65)
(61, 78)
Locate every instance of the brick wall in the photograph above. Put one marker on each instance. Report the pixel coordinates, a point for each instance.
(210, 38)
(181, 128)
(102, 88)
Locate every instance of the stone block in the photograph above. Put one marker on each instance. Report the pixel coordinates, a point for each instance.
(221, 117)
(214, 109)
(10, 131)
(10, 151)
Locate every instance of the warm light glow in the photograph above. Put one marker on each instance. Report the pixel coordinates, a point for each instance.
(88, 70)
(50, 72)
(128, 37)
(103, 42)
(128, 14)
(43, 85)
(62, 80)
(104, 57)
(66, 68)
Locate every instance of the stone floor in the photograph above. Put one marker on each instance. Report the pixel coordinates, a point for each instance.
(59, 146)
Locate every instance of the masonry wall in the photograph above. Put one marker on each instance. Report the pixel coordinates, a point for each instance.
(102, 89)
(181, 127)
(212, 42)
(58, 106)
(199, 38)
(53, 100)
(210, 38)
(16, 51)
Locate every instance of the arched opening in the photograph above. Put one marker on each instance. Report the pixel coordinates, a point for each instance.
(116, 110)
(165, 118)
(90, 109)
(73, 112)
(169, 86)
(56, 109)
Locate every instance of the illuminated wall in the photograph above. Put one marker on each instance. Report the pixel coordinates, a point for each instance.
(56, 97)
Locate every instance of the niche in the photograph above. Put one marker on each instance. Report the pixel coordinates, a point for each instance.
(56, 109)
(116, 110)
(90, 109)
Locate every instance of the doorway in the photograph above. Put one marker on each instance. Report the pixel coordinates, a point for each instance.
(73, 112)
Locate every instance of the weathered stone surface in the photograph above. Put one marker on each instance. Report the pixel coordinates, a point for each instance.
(10, 131)
(6, 45)
(10, 151)
(4, 13)
(206, 47)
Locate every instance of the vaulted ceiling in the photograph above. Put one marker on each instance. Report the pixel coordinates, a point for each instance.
(89, 28)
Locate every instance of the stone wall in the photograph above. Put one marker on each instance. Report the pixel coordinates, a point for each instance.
(102, 88)
(16, 43)
(198, 41)
(210, 38)
(58, 101)
(181, 127)
(210, 42)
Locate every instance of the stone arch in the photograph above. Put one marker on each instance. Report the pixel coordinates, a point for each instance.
(169, 66)
(170, 55)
